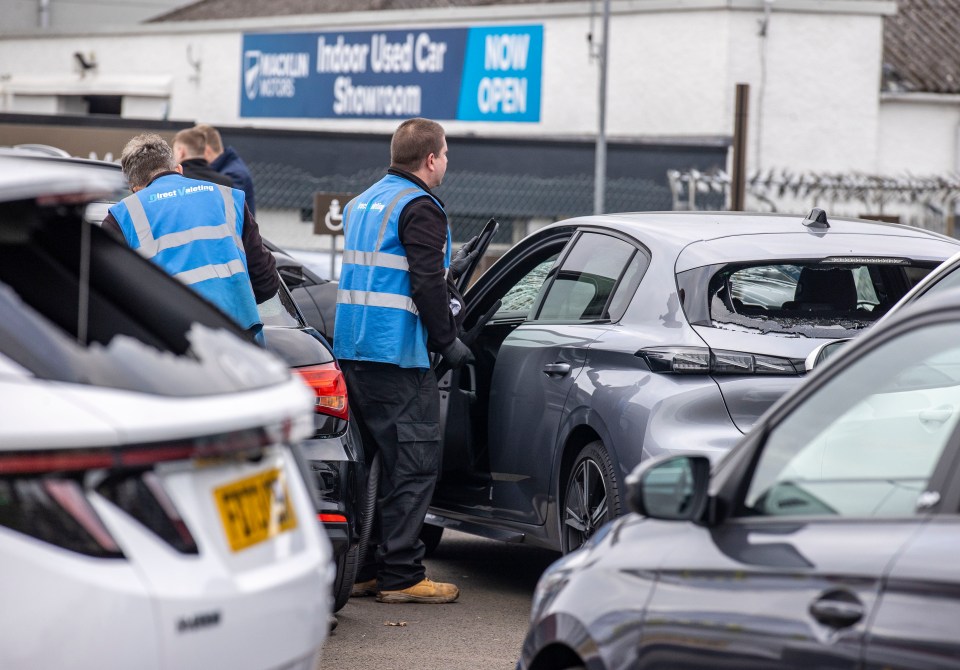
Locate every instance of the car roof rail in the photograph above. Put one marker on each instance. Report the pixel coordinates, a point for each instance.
(45, 149)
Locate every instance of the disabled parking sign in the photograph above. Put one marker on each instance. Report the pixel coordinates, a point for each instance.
(471, 74)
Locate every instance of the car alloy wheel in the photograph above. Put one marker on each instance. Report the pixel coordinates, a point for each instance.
(591, 498)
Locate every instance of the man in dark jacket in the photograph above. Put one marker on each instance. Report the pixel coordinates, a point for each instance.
(228, 162)
(396, 302)
(188, 150)
(202, 234)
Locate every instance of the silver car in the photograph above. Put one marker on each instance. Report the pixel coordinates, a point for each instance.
(626, 336)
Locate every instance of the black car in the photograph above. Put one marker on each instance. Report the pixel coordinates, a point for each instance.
(315, 296)
(333, 456)
(826, 538)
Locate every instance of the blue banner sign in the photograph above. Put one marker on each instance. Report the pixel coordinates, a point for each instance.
(471, 74)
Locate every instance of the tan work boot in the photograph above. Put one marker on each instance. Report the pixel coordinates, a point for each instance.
(363, 589)
(426, 591)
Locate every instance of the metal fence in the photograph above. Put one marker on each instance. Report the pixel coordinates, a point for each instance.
(470, 198)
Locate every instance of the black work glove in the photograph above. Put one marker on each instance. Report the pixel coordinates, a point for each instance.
(464, 256)
(457, 354)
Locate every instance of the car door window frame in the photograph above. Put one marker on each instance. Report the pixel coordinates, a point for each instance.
(639, 250)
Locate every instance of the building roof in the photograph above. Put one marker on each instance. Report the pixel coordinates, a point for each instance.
(921, 52)
(207, 10)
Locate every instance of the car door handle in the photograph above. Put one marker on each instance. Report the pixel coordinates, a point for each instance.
(935, 416)
(837, 610)
(556, 369)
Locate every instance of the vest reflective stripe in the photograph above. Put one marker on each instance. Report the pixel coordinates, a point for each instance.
(374, 299)
(210, 272)
(376, 259)
(388, 210)
(150, 247)
(230, 211)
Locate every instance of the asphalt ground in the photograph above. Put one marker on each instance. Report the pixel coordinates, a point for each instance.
(483, 630)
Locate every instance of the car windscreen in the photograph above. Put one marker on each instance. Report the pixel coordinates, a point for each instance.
(813, 298)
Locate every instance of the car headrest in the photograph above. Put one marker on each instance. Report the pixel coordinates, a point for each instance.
(827, 286)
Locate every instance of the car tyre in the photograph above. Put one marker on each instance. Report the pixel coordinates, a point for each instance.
(591, 496)
(431, 536)
(347, 566)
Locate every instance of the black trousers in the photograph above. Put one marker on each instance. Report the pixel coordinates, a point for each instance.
(398, 412)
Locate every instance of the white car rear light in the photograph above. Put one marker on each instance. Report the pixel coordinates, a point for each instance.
(42, 492)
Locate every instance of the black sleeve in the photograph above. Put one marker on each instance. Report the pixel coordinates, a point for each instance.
(110, 225)
(423, 233)
(260, 262)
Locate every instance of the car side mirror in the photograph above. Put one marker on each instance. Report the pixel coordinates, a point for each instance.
(822, 353)
(292, 275)
(672, 488)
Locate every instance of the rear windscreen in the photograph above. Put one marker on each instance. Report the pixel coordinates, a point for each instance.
(809, 299)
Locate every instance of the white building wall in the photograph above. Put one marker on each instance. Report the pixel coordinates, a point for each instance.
(931, 124)
(674, 65)
(668, 74)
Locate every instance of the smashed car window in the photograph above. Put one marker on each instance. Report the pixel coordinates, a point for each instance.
(520, 297)
(279, 311)
(816, 299)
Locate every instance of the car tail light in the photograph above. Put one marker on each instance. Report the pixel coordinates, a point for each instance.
(330, 388)
(55, 510)
(138, 455)
(701, 360)
(42, 493)
(141, 495)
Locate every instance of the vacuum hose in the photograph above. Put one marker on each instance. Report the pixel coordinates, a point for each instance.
(369, 505)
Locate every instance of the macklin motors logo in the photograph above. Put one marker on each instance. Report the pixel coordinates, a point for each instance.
(251, 73)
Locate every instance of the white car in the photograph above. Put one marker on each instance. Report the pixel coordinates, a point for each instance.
(152, 512)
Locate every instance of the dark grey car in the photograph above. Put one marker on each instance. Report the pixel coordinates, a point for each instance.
(826, 539)
(622, 337)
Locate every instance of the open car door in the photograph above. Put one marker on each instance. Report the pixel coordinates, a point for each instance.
(499, 302)
(456, 404)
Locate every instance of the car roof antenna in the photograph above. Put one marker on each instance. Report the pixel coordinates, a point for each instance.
(817, 218)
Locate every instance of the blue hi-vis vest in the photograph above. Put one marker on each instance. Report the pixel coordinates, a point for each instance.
(193, 230)
(376, 317)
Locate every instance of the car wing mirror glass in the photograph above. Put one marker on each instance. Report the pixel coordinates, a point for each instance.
(672, 488)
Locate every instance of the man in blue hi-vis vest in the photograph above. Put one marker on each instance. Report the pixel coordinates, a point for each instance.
(396, 302)
(201, 233)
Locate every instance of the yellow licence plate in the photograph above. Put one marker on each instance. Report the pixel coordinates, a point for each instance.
(255, 509)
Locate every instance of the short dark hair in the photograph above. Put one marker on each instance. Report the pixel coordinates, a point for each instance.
(191, 139)
(145, 156)
(212, 136)
(413, 141)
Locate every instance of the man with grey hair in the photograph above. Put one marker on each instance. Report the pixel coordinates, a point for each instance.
(201, 233)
